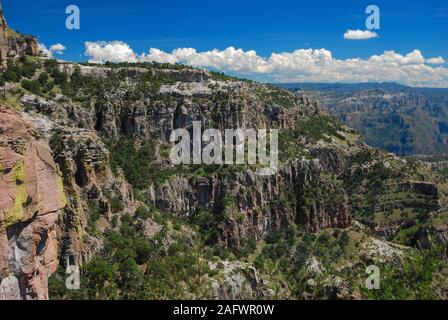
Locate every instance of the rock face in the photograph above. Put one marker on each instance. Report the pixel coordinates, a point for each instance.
(22, 45)
(257, 205)
(4, 48)
(89, 183)
(31, 200)
(228, 105)
(13, 44)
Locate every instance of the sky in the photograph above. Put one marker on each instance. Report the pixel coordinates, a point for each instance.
(275, 41)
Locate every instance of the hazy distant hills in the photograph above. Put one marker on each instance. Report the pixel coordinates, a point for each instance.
(352, 87)
(400, 119)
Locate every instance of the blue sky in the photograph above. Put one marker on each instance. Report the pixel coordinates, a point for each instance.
(263, 26)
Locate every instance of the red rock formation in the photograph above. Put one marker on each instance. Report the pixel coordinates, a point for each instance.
(3, 41)
(31, 198)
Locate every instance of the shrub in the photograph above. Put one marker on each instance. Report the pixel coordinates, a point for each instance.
(143, 213)
(11, 75)
(32, 86)
(51, 64)
(116, 205)
(43, 78)
(138, 163)
(60, 78)
(143, 250)
(28, 70)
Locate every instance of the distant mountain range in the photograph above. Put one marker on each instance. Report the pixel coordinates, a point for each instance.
(394, 117)
(353, 87)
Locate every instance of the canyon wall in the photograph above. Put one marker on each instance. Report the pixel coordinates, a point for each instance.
(31, 201)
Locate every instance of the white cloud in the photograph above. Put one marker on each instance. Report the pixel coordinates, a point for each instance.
(159, 56)
(414, 57)
(116, 51)
(302, 65)
(230, 59)
(56, 48)
(437, 60)
(359, 35)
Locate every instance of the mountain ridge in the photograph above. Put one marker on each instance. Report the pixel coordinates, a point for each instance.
(356, 86)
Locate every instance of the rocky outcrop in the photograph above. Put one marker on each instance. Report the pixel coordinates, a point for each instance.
(13, 44)
(4, 48)
(434, 233)
(20, 45)
(252, 205)
(90, 185)
(239, 281)
(31, 201)
(230, 105)
(128, 111)
(189, 75)
(181, 75)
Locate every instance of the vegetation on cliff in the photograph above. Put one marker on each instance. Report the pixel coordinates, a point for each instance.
(140, 228)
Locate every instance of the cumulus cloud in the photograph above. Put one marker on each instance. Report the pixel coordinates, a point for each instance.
(390, 57)
(230, 59)
(302, 65)
(437, 60)
(56, 48)
(359, 35)
(159, 56)
(116, 51)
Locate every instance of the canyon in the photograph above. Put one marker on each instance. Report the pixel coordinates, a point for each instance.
(404, 120)
(86, 180)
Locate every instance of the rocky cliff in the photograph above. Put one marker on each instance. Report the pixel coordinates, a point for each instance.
(260, 201)
(13, 44)
(31, 200)
(4, 46)
(195, 96)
